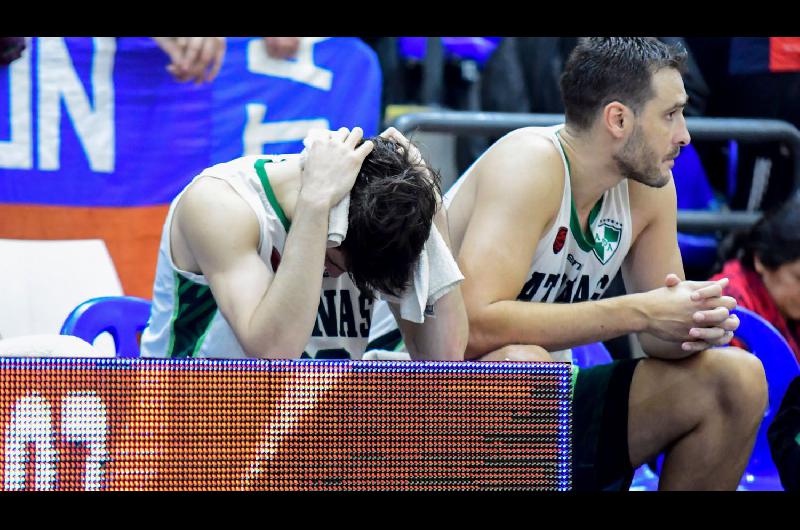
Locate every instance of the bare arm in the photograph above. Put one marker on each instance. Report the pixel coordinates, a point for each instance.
(272, 315)
(513, 206)
(518, 195)
(653, 257)
(443, 337)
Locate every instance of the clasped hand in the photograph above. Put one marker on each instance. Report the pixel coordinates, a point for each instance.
(695, 313)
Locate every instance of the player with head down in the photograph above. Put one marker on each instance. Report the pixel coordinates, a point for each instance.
(245, 268)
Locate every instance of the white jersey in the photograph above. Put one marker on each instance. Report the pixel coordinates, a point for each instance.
(185, 321)
(568, 265)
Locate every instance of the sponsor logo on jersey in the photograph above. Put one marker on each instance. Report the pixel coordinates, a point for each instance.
(606, 237)
(561, 236)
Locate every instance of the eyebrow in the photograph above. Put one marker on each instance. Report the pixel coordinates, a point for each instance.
(679, 105)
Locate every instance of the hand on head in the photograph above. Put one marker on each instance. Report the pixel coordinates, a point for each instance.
(332, 163)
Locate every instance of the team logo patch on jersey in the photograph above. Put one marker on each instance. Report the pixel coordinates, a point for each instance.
(606, 237)
(561, 236)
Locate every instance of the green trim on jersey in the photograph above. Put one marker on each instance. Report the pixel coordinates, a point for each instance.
(195, 308)
(262, 176)
(585, 240)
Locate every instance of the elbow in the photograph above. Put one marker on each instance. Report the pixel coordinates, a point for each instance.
(270, 353)
(262, 348)
(456, 344)
(480, 340)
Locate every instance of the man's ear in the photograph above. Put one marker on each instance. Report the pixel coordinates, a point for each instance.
(617, 119)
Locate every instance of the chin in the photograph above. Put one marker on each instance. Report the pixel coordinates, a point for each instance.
(655, 182)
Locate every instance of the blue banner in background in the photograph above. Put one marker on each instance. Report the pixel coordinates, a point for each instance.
(100, 122)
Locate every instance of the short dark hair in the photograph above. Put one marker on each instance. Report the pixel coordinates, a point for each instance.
(775, 239)
(392, 205)
(604, 69)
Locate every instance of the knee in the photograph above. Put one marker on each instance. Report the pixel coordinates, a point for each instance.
(738, 380)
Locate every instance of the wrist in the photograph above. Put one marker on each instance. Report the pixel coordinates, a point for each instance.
(312, 200)
(634, 309)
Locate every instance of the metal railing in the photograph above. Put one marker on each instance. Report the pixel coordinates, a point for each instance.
(710, 129)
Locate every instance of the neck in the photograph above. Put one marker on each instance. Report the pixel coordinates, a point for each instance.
(285, 179)
(592, 170)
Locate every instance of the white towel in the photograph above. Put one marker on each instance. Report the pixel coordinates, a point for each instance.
(435, 274)
(337, 222)
(339, 214)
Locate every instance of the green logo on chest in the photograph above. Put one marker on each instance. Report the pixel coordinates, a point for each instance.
(606, 240)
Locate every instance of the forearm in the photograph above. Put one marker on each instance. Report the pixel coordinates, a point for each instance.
(552, 326)
(443, 337)
(284, 319)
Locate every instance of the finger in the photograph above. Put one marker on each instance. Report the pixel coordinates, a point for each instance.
(712, 316)
(192, 53)
(727, 302)
(268, 45)
(731, 323)
(363, 150)
(707, 334)
(724, 340)
(672, 280)
(177, 73)
(285, 49)
(195, 69)
(293, 45)
(181, 43)
(170, 47)
(341, 134)
(316, 135)
(712, 291)
(388, 132)
(206, 56)
(394, 134)
(353, 138)
(694, 346)
(219, 56)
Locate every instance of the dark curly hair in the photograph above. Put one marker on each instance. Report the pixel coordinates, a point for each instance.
(604, 69)
(392, 205)
(775, 239)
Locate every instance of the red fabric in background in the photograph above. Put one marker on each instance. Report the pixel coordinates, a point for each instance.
(784, 54)
(751, 293)
(132, 235)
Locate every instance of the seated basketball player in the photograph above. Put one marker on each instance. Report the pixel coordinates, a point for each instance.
(545, 219)
(243, 269)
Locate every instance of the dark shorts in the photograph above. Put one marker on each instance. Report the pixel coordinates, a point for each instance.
(600, 458)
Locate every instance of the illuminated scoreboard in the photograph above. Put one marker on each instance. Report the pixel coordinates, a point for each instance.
(148, 424)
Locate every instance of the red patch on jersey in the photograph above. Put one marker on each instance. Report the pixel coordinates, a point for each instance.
(561, 236)
(275, 259)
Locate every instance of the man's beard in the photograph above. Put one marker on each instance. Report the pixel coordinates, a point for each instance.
(634, 161)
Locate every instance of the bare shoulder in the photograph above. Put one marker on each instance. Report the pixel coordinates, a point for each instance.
(525, 159)
(211, 213)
